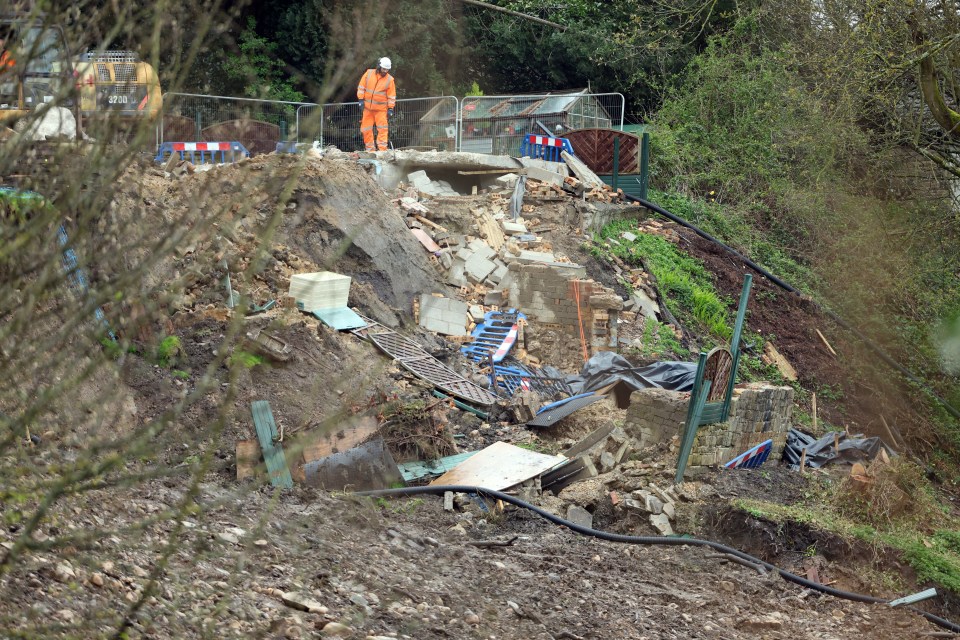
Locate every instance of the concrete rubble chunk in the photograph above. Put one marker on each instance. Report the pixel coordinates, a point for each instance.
(629, 237)
(547, 165)
(582, 171)
(670, 511)
(578, 515)
(645, 303)
(512, 228)
(478, 268)
(661, 523)
(549, 177)
(443, 315)
(654, 505)
(508, 181)
(476, 313)
(301, 601)
(456, 275)
(532, 257)
(498, 275)
(481, 248)
(607, 462)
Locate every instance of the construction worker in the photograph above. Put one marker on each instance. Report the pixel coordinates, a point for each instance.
(6, 60)
(377, 93)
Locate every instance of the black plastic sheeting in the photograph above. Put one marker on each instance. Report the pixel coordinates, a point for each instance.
(608, 368)
(822, 452)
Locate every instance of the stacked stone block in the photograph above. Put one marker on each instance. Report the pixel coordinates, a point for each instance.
(656, 415)
(758, 412)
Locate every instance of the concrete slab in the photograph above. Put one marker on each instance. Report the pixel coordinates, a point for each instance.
(443, 315)
(531, 257)
(481, 248)
(498, 274)
(456, 276)
(645, 304)
(478, 268)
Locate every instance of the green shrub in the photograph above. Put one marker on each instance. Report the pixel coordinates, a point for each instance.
(167, 351)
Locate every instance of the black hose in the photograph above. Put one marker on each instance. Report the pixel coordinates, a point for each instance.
(786, 286)
(617, 537)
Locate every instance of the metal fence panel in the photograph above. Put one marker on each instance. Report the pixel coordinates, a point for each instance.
(497, 124)
(258, 124)
(483, 124)
(428, 123)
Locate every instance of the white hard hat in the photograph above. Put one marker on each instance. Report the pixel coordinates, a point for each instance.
(385, 63)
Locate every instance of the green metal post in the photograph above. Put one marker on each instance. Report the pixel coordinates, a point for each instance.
(644, 165)
(616, 161)
(735, 342)
(690, 432)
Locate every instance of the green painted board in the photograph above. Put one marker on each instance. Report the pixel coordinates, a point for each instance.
(272, 452)
(424, 468)
(340, 318)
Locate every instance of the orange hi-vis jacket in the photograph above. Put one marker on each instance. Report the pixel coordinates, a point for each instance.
(6, 60)
(377, 94)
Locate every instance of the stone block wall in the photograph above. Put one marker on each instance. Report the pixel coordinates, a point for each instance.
(564, 303)
(758, 412)
(656, 415)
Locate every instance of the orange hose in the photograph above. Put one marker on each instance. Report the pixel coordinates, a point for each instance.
(583, 339)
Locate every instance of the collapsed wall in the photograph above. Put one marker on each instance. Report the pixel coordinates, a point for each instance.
(758, 412)
(574, 317)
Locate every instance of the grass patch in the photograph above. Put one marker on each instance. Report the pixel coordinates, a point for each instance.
(683, 281)
(167, 351)
(897, 510)
(659, 342)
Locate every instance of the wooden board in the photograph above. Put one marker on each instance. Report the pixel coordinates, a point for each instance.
(272, 452)
(339, 438)
(248, 456)
(499, 466)
(774, 357)
(595, 148)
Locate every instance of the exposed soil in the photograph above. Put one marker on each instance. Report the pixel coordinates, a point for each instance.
(383, 568)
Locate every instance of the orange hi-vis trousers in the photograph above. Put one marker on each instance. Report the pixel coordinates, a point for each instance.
(378, 118)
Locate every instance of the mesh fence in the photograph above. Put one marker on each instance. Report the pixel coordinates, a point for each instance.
(257, 124)
(480, 124)
(415, 124)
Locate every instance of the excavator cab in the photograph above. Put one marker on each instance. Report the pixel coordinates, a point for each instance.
(35, 68)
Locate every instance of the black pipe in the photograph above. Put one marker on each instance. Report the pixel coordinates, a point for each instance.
(783, 285)
(670, 541)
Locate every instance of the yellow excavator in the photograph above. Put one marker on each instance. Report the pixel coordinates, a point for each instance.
(102, 89)
(117, 83)
(36, 68)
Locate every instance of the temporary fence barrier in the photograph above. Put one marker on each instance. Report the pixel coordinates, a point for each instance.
(203, 152)
(257, 124)
(545, 147)
(411, 126)
(483, 124)
(498, 124)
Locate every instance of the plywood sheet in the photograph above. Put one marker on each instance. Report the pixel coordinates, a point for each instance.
(499, 467)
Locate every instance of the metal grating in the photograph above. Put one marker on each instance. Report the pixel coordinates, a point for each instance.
(124, 72)
(103, 73)
(414, 359)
